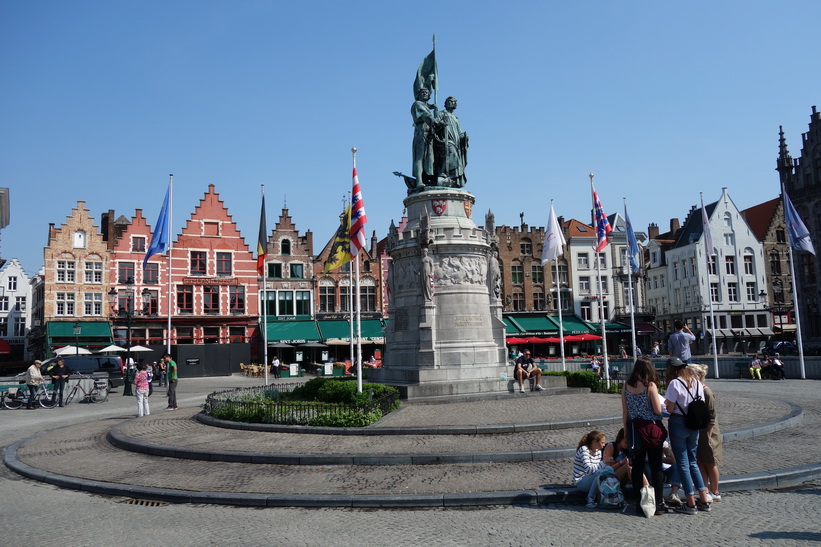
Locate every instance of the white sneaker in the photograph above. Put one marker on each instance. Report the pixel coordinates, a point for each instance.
(673, 500)
(523, 389)
(539, 387)
(716, 496)
(709, 498)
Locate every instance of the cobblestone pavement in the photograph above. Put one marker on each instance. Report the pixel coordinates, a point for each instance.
(743, 518)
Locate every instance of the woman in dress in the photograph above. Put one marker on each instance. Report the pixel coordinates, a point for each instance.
(587, 464)
(641, 406)
(682, 388)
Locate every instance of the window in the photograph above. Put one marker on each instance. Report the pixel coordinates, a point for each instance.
(729, 239)
(729, 265)
(677, 297)
(684, 268)
(4, 326)
(655, 282)
(211, 299)
(236, 299)
(711, 265)
(693, 267)
(4, 303)
(732, 292)
(93, 303)
(344, 292)
(537, 273)
(780, 235)
(151, 273)
(518, 301)
(79, 239)
(224, 264)
(605, 309)
(367, 298)
(210, 335)
(185, 335)
(236, 335)
(199, 265)
(12, 282)
(151, 305)
(686, 297)
(285, 246)
(125, 272)
(285, 303)
(748, 265)
(124, 301)
(19, 326)
(275, 270)
(807, 267)
(587, 313)
(326, 296)
(93, 272)
(584, 261)
(714, 292)
(751, 294)
(584, 285)
(563, 273)
(65, 271)
(526, 247)
(661, 281)
(138, 244)
(516, 273)
(603, 260)
(604, 286)
(303, 301)
(539, 302)
(65, 303)
(775, 263)
(675, 271)
(296, 270)
(185, 299)
(20, 303)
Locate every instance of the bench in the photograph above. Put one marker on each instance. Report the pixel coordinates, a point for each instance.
(743, 369)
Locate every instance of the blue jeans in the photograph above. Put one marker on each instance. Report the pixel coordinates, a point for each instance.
(589, 484)
(683, 442)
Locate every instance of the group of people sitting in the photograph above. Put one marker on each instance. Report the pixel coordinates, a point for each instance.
(772, 367)
(641, 454)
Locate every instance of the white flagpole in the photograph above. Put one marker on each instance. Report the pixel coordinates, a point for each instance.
(630, 289)
(606, 362)
(264, 304)
(709, 253)
(170, 247)
(358, 303)
(559, 306)
(794, 297)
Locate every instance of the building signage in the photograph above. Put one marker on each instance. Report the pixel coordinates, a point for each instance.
(210, 280)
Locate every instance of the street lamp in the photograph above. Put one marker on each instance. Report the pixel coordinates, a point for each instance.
(113, 298)
(77, 328)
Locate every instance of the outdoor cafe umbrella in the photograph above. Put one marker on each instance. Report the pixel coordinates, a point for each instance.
(280, 345)
(136, 349)
(513, 341)
(111, 348)
(581, 337)
(72, 350)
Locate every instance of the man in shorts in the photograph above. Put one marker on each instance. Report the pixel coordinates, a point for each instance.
(525, 369)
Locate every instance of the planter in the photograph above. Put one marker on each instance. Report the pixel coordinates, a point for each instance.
(286, 373)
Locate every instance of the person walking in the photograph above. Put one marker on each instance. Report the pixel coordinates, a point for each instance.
(141, 391)
(275, 367)
(679, 343)
(59, 378)
(33, 379)
(171, 368)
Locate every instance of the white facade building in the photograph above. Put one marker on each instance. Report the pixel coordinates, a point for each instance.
(15, 306)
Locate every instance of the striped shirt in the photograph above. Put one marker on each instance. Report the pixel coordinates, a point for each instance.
(585, 463)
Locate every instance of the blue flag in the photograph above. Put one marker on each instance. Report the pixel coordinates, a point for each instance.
(799, 235)
(632, 244)
(159, 239)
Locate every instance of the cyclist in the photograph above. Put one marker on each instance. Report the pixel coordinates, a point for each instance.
(33, 379)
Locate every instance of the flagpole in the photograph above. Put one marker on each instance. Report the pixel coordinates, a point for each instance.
(559, 306)
(606, 363)
(264, 302)
(170, 247)
(709, 253)
(794, 292)
(630, 289)
(358, 303)
(551, 250)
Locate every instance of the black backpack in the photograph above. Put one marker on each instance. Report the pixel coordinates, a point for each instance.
(698, 413)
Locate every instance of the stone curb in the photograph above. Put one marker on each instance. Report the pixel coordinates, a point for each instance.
(116, 437)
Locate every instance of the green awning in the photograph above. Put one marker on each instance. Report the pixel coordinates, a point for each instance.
(340, 331)
(293, 332)
(510, 327)
(336, 330)
(535, 324)
(572, 325)
(615, 327)
(92, 333)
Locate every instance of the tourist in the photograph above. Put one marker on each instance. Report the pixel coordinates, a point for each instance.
(641, 415)
(655, 351)
(594, 364)
(141, 390)
(622, 353)
(710, 451)
(171, 367)
(59, 378)
(682, 389)
(33, 379)
(275, 367)
(679, 343)
(755, 367)
(587, 464)
(616, 456)
(525, 369)
(160, 368)
(777, 368)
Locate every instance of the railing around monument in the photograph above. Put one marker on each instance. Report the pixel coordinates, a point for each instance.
(258, 405)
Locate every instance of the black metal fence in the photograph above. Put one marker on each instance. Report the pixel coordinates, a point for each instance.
(260, 405)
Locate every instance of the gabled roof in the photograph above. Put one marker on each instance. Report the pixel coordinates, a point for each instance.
(760, 217)
(574, 228)
(693, 229)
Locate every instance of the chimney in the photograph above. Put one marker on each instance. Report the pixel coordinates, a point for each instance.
(653, 231)
(674, 225)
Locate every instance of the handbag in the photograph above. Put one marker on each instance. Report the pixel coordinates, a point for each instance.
(647, 501)
(652, 432)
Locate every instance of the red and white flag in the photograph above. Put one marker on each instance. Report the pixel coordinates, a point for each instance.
(358, 217)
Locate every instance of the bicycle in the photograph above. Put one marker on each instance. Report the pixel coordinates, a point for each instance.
(16, 397)
(97, 394)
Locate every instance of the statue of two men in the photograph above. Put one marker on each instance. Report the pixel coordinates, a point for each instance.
(439, 145)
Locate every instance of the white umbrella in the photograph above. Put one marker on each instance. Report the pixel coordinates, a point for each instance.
(134, 349)
(72, 350)
(110, 348)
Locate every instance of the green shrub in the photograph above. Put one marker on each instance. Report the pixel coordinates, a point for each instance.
(556, 373)
(583, 378)
(309, 391)
(355, 418)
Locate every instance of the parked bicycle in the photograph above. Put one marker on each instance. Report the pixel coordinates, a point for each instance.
(16, 397)
(97, 394)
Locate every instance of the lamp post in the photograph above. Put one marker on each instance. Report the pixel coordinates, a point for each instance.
(113, 296)
(77, 328)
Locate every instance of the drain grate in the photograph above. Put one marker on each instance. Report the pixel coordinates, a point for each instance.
(144, 503)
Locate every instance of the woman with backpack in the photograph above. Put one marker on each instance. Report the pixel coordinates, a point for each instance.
(641, 413)
(587, 464)
(685, 403)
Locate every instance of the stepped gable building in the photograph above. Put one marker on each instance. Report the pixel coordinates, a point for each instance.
(15, 314)
(75, 283)
(801, 177)
(526, 283)
(766, 220)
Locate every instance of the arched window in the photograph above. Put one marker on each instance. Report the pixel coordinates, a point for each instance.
(79, 239)
(728, 219)
(285, 246)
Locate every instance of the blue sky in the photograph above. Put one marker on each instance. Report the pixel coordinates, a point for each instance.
(103, 99)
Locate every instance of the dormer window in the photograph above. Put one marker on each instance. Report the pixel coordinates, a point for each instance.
(79, 239)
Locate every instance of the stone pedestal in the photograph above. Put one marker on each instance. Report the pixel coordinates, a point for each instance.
(445, 333)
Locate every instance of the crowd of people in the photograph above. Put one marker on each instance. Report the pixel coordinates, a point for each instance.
(646, 455)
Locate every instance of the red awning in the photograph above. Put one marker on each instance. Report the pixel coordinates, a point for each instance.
(581, 337)
(646, 328)
(5, 347)
(516, 341)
